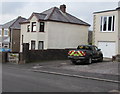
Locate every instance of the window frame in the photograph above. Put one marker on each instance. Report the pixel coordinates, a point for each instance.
(32, 44)
(106, 27)
(40, 48)
(28, 28)
(42, 27)
(6, 45)
(5, 33)
(33, 25)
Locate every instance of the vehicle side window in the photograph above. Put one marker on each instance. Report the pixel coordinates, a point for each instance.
(95, 48)
(84, 47)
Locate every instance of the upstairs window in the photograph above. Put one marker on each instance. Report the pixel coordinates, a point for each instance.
(42, 24)
(32, 45)
(107, 23)
(5, 32)
(33, 26)
(28, 28)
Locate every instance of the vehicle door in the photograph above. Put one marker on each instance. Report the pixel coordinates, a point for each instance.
(95, 52)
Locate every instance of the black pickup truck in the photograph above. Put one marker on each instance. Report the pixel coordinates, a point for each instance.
(85, 53)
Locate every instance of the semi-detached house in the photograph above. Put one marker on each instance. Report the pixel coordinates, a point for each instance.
(10, 35)
(53, 29)
(107, 31)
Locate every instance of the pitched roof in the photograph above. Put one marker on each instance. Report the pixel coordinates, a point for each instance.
(0, 26)
(14, 23)
(55, 14)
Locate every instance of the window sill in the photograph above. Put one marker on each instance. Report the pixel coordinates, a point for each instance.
(5, 35)
(42, 31)
(107, 31)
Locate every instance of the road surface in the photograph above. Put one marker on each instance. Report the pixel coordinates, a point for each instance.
(25, 80)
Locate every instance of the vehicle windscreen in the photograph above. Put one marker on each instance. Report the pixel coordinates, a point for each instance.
(84, 48)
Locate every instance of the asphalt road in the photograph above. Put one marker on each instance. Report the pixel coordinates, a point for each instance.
(25, 80)
(0, 77)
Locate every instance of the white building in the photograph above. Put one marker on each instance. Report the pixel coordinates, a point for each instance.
(53, 29)
(107, 31)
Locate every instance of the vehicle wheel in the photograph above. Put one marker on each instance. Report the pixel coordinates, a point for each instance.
(101, 59)
(90, 60)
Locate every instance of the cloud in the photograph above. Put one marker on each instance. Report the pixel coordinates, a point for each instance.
(12, 7)
(82, 10)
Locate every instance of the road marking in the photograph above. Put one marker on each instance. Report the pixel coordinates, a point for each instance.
(115, 91)
(78, 76)
(70, 75)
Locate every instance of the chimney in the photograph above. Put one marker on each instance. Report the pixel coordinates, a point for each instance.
(118, 6)
(63, 8)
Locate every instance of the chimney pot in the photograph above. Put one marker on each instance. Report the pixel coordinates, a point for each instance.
(118, 6)
(63, 8)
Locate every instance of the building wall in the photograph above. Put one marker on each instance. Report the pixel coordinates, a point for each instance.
(105, 36)
(119, 31)
(63, 35)
(15, 40)
(57, 35)
(36, 36)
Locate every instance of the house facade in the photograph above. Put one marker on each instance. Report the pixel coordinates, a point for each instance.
(10, 35)
(53, 29)
(107, 31)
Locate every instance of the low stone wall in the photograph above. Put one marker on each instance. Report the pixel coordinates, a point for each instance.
(50, 54)
(118, 57)
(3, 57)
(40, 55)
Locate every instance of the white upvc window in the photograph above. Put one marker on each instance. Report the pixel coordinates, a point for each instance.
(107, 24)
(6, 45)
(33, 44)
(5, 32)
(40, 45)
(33, 27)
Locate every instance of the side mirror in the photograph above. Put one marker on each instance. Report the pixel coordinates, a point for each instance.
(99, 50)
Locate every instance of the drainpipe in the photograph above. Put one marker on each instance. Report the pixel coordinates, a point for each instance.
(10, 30)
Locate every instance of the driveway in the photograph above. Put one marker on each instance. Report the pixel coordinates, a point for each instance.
(105, 67)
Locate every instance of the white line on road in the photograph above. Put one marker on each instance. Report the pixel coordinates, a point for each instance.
(70, 75)
(78, 76)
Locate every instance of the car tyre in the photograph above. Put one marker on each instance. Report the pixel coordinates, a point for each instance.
(90, 60)
(101, 59)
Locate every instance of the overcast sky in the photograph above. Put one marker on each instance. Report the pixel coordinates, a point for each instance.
(82, 10)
